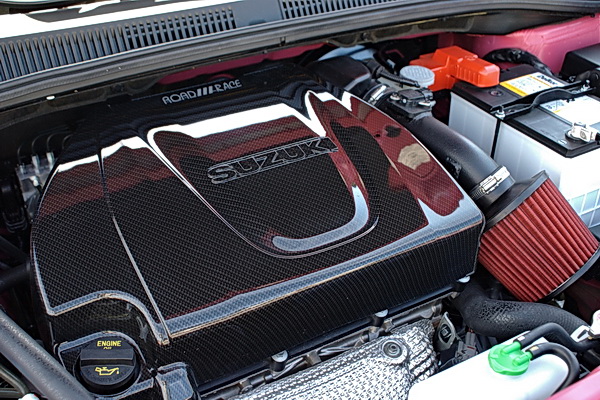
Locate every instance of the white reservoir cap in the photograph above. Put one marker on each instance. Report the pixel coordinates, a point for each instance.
(423, 76)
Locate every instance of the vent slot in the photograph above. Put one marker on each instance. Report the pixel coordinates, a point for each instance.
(305, 8)
(26, 56)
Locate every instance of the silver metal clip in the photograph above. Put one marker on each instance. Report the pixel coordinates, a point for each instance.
(595, 326)
(490, 183)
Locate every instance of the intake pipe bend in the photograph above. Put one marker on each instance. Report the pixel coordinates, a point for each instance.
(467, 163)
(14, 276)
(506, 319)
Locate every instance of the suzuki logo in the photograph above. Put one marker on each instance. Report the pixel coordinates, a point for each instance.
(273, 158)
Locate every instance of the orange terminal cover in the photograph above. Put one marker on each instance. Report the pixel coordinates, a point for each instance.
(453, 63)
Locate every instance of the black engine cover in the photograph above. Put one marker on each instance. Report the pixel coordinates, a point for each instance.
(218, 224)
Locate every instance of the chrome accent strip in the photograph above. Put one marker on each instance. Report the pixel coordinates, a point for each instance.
(358, 222)
(163, 339)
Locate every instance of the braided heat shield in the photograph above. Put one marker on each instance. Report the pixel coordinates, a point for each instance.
(383, 369)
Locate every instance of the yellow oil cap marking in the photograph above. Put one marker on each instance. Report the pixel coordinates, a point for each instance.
(104, 371)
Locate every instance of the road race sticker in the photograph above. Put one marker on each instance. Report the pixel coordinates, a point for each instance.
(201, 91)
(529, 84)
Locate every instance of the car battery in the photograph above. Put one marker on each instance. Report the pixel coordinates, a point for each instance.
(537, 138)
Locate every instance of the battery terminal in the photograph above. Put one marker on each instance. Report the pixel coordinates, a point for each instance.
(582, 131)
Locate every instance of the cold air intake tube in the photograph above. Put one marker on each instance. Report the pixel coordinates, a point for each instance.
(534, 242)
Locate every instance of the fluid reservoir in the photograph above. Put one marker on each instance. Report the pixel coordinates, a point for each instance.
(475, 379)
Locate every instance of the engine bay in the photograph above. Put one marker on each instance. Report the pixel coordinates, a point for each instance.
(379, 221)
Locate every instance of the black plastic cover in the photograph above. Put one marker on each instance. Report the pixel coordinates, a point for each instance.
(220, 223)
(581, 60)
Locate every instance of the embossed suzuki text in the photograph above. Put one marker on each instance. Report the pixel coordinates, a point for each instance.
(272, 158)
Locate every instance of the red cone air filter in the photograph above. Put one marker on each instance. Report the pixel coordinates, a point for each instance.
(536, 244)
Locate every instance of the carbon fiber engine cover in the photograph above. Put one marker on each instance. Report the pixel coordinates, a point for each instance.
(219, 223)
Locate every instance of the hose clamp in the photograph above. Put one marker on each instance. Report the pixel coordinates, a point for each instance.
(489, 184)
(580, 334)
(377, 94)
(585, 332)
(595, 326)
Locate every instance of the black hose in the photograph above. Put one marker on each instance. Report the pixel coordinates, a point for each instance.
(9, 278)
(517, 56)
(462, 158)
(564, 354)
(19, 388)
(47, 376)
(12, 251)
(558, 334)
(379, 71)
(396, 78)
(507, 319)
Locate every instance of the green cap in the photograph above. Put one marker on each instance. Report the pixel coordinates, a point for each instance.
(509, 359)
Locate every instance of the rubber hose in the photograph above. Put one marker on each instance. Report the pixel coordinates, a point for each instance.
(398, 79)
(506, 319)
(517, 56)
(462, 158)
(12, 251)
(559, 334)
(11, 277)
(564, 354)
(48, 376)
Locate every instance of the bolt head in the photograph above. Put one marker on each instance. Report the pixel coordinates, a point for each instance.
(392, 349)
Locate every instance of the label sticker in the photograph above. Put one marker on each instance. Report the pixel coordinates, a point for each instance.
(529, 84)
(108, 344)
(583, 109)
(201, 91)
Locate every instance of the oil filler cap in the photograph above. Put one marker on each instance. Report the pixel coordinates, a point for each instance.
(108, 365)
